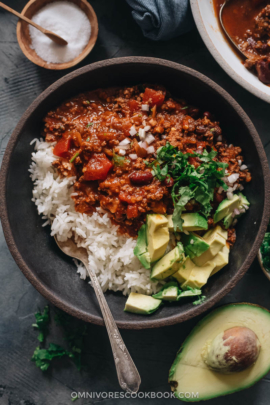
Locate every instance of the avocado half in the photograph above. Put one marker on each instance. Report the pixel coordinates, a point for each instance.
(189, 377)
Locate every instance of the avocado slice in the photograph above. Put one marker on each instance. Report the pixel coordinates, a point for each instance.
(157, 236)
(169, 292)
(190, 275)
(169, 264)
(216, 242)
(192, 222)
(141, 304)
(194, 245)
(189, 373)
(141, 250)
(221, 259)
(189, 292)
(226, 207)
(229, 218)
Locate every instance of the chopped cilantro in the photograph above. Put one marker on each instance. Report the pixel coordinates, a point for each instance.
(42, 323)
(184, 108)
(89, 124)
(43, 357)
(200, 300)
(119, 160)
(189, 182)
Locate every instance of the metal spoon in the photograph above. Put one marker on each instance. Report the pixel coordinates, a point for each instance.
(227, 34)
(55, 38)
(259, 256)
(128, 376)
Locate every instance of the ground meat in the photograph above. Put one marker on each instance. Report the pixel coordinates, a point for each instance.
(90, 129)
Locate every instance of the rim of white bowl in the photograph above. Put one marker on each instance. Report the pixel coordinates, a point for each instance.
(219, 58)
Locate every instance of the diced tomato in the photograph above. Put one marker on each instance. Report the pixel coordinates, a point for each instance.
(62, 147)
(97, 167)
(133, 105)
(153, 97)
(126, 197)
(193, 161)
(132, 211)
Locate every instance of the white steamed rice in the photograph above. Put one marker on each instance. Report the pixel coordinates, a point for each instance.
(110, 254)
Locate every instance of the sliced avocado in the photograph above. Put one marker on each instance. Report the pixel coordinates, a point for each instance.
(218, 230)
(169, 264)
(189, 292)
(189, 373)
(141, 304)
(169, 292)
(194, 245)
(199, 275)
(226, 207)
(244, 200)
(221, 259)
(141, 250)
(244, 203)
(190, 275)
(215, 242)
(157, 236)
(192, 222)
(228, 220)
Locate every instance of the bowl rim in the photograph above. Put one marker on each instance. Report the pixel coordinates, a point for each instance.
(144, 323)
(218, 56)
(37, 60)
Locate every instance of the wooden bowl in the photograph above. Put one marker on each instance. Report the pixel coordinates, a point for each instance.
(51, 272)
(24, 39)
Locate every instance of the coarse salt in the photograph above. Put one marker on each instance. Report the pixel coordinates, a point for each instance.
(66, 20)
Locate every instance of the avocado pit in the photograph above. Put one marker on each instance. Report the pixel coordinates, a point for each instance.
(232, 351)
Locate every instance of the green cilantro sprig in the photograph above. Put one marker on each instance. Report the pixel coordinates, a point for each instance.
(189, 182)
(42, 323)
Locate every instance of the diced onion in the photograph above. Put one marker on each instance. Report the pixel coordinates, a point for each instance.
(246, 206)
(243, 167)
(230, 195)
(236, 211)
(143, 145)
(147, 128)
(122, 152)
(163, 136)
(239, 162)
(133, 156)
(219, 138)
(142, 133)
(192, 241)
(149, 139)
(145, 107)
(133, 131)
(220, 190)
(242, 210)
(124, 142)
(233, 178)
(151, 149)
(125, 147)
(241, 188)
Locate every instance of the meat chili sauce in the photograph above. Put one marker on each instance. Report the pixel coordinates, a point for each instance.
(109, 140)
(248, 24)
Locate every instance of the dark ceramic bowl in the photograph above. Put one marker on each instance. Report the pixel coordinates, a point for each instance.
(35, 251)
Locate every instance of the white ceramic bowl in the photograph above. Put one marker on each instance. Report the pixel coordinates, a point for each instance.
(208, 26)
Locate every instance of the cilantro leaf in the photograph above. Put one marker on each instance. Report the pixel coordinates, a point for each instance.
(200, 300)
(42, 323)
(185, 195)
(43, 357)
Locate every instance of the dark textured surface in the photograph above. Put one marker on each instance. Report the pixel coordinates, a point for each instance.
(153, 350)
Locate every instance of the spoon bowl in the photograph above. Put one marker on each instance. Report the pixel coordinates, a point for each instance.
(25, 42)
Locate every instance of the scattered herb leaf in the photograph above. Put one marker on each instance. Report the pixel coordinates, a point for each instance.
(74, 156)
(89, 124)
(42, 323)
(200, 300)
(43, 357)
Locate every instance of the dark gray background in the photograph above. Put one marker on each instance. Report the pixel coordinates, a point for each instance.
(153, 351)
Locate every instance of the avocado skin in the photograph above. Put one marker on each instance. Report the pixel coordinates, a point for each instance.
(198, 247)
(207, 318)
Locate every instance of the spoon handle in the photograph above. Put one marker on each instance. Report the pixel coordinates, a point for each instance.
(22, 17)
(128, 376)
